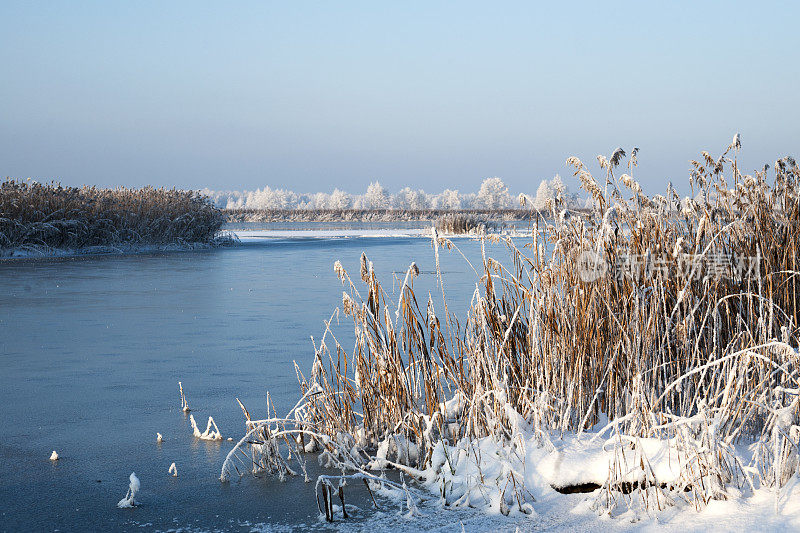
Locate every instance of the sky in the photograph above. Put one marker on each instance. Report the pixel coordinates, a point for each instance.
(315, 95)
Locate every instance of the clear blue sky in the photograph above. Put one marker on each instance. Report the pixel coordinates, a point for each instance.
(309, 96)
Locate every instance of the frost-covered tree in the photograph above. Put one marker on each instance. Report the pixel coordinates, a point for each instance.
(217, 197)
(336, 200)
(554, 191)
(408, 198)
(448, 199)
(235, 202)
(340, 200)
(223, 199)
(469, 201)
(268, 198)
(320, 200)
(226, 199)
(376, 197)
(493, 194)
(545, 194)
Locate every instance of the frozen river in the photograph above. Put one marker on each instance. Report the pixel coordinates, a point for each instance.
(92, 348)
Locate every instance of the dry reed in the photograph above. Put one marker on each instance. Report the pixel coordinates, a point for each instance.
(698, 359)
(49, 215)
(461, 223)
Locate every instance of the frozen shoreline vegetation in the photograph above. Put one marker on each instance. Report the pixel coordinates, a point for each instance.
(460, 224)
(48, 219)
(377, 215)
(655, 390)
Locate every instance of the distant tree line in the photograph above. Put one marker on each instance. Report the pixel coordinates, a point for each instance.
(493, 195)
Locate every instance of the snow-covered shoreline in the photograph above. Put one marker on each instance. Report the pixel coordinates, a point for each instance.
(246, 235)
(253, 235)
(534, 479)
(36, 252)
(233, 237)
(571, 460)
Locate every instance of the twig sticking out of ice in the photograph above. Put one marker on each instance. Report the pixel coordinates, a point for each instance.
(209, 433)
(128, 501)
(184, 403)
(159, 438)
(54, 456)
(173, 470)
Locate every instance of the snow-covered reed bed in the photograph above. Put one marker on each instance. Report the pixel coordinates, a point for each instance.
(36, 215)
(595, 359)
(461, 223)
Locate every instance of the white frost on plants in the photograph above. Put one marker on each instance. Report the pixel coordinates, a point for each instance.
(399, 449)
(454, 407)
(184, 403)
(129, 500)
(211, 433)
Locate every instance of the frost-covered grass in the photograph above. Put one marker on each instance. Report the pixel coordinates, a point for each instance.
(657, 389)
(48, 216)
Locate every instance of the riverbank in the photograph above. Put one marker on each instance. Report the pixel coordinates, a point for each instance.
(374, 215)
(34, 251)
